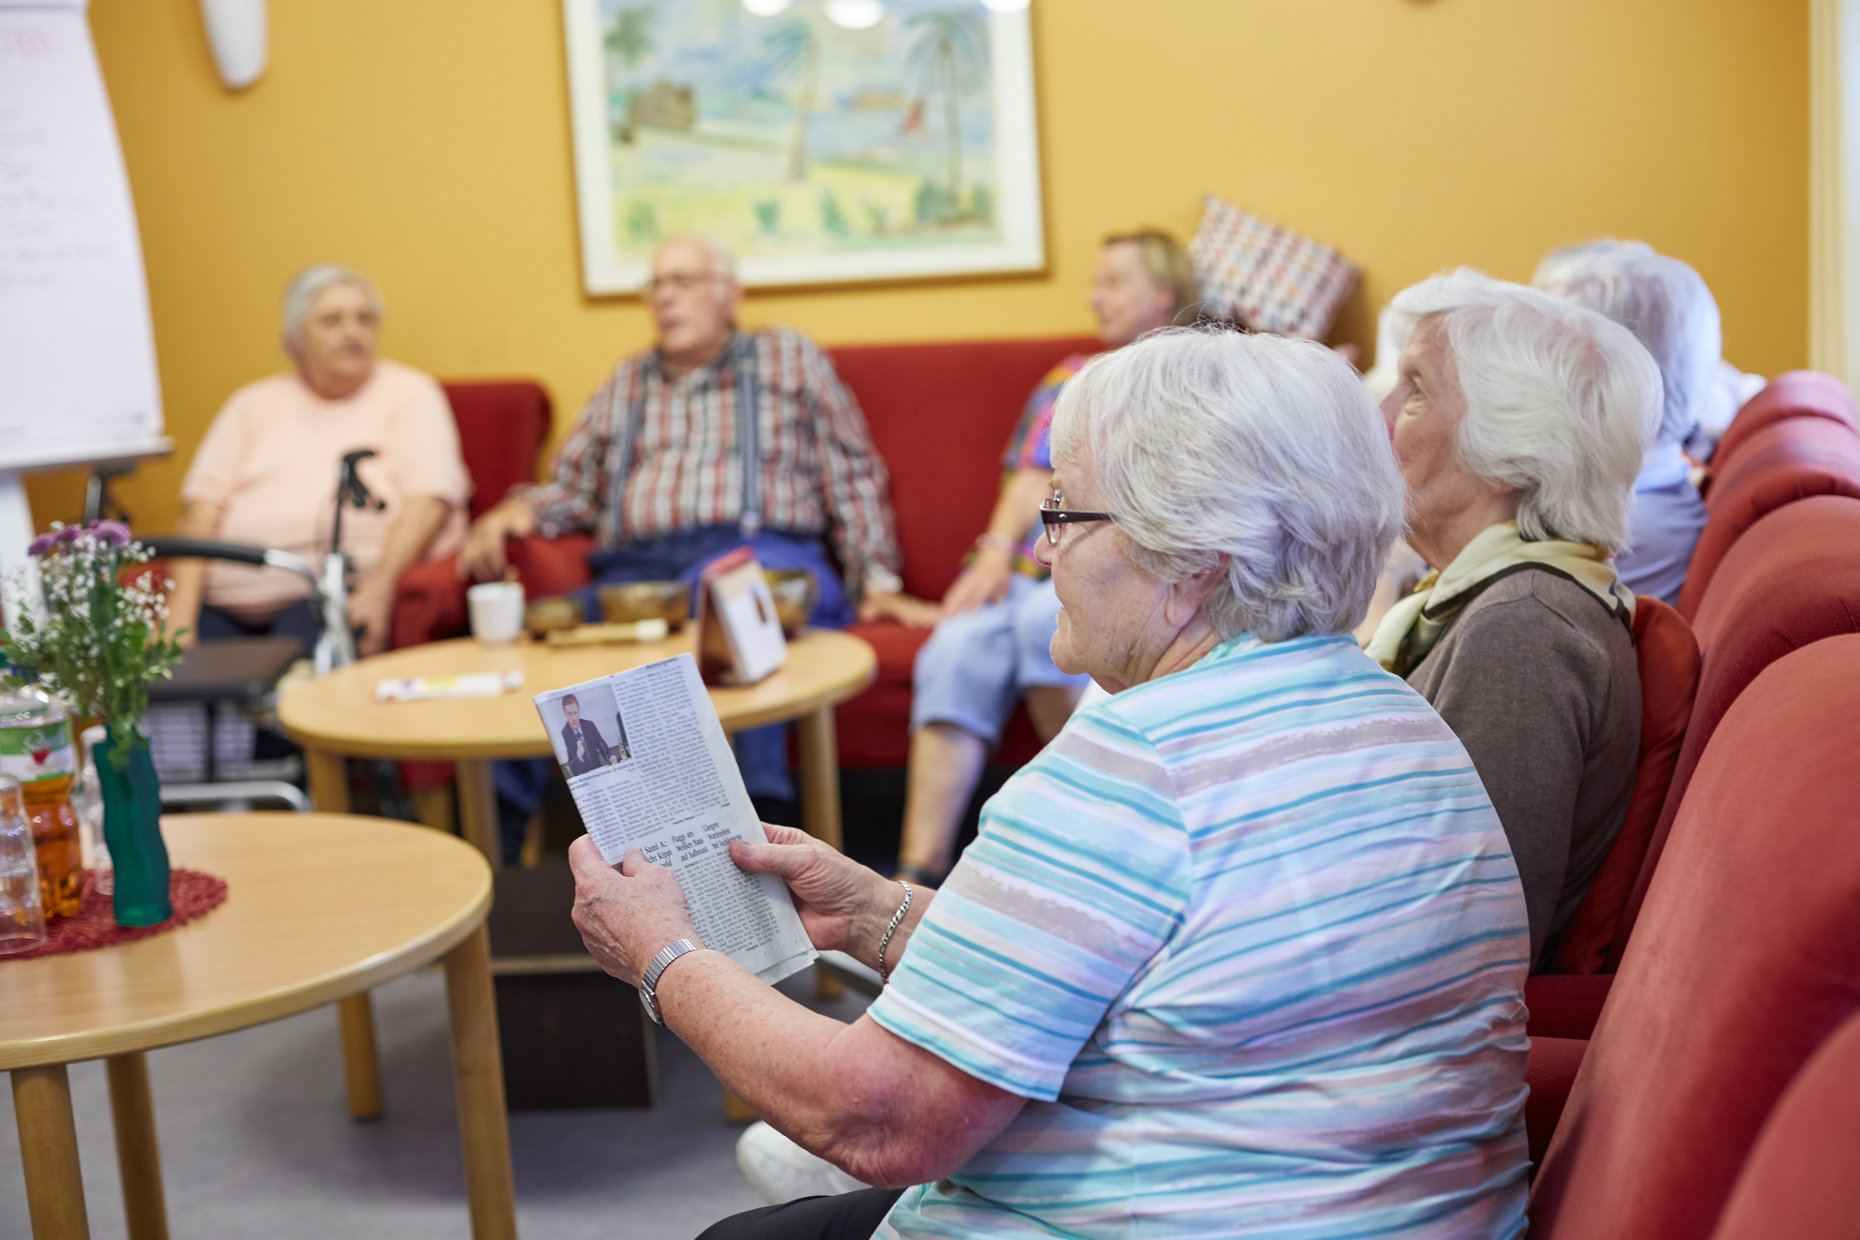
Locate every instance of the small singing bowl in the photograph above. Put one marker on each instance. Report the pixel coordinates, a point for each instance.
(795, 592)
(669, 601)
(547, 615)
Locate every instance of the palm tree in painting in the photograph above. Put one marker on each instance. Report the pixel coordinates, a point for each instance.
(794, 54)
(627, 42)
(944, 51)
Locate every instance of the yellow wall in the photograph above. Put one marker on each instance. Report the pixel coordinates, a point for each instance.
(427, 142)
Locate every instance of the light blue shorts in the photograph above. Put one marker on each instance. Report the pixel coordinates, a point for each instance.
(975, 667)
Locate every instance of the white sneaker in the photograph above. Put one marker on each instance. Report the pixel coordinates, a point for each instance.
(779, 1170)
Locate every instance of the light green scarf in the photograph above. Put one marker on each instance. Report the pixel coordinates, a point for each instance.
(1413, 625)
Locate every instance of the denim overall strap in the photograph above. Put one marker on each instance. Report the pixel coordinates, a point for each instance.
(748, 432)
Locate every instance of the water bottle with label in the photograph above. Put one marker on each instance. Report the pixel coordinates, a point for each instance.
(36, 749)
(22, 913)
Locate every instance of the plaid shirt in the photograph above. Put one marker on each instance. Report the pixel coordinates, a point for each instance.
(684, 465)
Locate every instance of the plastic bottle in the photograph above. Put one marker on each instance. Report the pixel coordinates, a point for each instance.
(36, 749)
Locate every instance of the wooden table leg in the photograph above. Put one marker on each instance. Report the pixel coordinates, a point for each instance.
(820, 803)
(478, 1082)
(820, 776)
(478, 809)
(138, 1153)
(329, 780)
(361, 1062)
(48, 1153)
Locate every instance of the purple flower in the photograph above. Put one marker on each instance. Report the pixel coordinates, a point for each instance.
(42, 544)
(113, 532)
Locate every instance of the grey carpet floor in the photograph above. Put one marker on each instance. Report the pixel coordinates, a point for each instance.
(255, 1140)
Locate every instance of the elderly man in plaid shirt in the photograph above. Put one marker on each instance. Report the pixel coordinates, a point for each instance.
(714, 440)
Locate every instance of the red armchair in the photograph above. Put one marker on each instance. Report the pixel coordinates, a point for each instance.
(1792, 580)
(502, 426)
(1743, 967)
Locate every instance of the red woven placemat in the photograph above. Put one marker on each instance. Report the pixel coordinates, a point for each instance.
(192, 892)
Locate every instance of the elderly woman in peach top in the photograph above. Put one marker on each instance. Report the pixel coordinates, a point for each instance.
(266, 473)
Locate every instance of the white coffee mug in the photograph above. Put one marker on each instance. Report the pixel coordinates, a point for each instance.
(496, 611)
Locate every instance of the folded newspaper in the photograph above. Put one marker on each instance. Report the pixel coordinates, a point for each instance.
(650, 769)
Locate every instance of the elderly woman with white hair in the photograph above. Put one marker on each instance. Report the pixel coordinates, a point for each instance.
(1666, 305)
(267, 472)
(1241, 951)
(1520, 421)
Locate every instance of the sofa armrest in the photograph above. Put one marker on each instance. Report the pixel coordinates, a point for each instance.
(1566, 1005)
(551, 566)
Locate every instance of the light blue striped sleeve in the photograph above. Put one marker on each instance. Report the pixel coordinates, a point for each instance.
(1078, 879)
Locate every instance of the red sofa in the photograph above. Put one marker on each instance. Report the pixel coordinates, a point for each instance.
(940, 415)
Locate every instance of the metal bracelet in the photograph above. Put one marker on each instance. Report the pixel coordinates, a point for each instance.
(897, 919)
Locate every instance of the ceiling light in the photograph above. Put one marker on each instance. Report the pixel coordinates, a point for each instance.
(766, 8)
(855, 14)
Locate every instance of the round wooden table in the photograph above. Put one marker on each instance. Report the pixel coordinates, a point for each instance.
(336, 717)
(318, 907)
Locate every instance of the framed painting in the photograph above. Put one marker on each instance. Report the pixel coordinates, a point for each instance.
(821, 141)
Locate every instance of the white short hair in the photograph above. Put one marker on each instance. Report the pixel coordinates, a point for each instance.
(307, 285)
(1668, 307)
(1258, 451)
(1560, 403)
(722, 262)
(1556, 266)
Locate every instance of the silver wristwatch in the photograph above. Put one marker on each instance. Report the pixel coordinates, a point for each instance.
(649, 983)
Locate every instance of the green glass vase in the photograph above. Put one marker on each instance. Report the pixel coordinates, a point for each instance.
(132, 831)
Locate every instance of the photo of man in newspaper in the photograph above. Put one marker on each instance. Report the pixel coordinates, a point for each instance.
(580, 747)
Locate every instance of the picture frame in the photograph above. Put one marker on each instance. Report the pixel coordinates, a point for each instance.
(815, 153)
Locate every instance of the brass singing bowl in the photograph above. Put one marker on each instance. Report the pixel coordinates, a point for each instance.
(795, 592)
(669, 601)
(549, 615)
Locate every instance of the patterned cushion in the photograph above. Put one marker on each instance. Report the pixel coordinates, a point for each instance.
(1270, 278)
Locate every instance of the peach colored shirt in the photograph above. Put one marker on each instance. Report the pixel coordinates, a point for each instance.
(271, 457)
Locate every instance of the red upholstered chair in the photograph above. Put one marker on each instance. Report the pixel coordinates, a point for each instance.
(1668, 658)
(1800, 1180)
(1792, 580)
(1795, 394)
(502, 426)
(940, 415)
(1784, 462)
(1744, 963)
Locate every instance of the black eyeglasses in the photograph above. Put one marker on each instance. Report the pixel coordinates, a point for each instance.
(1054, 513)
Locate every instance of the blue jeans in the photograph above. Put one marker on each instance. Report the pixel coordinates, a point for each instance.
(761, 753)
(977, 666)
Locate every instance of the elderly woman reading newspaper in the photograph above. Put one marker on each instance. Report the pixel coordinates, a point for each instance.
(1241, 952)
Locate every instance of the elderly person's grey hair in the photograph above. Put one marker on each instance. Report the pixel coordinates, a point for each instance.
(307, 285)
(1555, 267)
(1259, 453)
(1560, 403)
(722, 262)
(1667, 306)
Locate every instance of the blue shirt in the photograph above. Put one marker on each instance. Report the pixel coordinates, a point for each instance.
(1250, 939)
(1663, 526)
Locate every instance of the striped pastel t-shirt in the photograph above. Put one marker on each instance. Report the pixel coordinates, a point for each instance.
(1251, 941)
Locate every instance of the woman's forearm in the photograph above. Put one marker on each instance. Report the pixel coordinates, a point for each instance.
(885, 1111)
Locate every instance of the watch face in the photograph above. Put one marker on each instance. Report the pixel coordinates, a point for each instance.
(652, 1009)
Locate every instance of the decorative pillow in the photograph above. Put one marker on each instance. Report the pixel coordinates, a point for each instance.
(1270, 278)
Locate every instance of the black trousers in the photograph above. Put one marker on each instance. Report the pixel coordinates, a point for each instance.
(849, 1216)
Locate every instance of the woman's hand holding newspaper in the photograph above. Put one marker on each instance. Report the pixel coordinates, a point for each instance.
(844, 906)
(626, 913)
